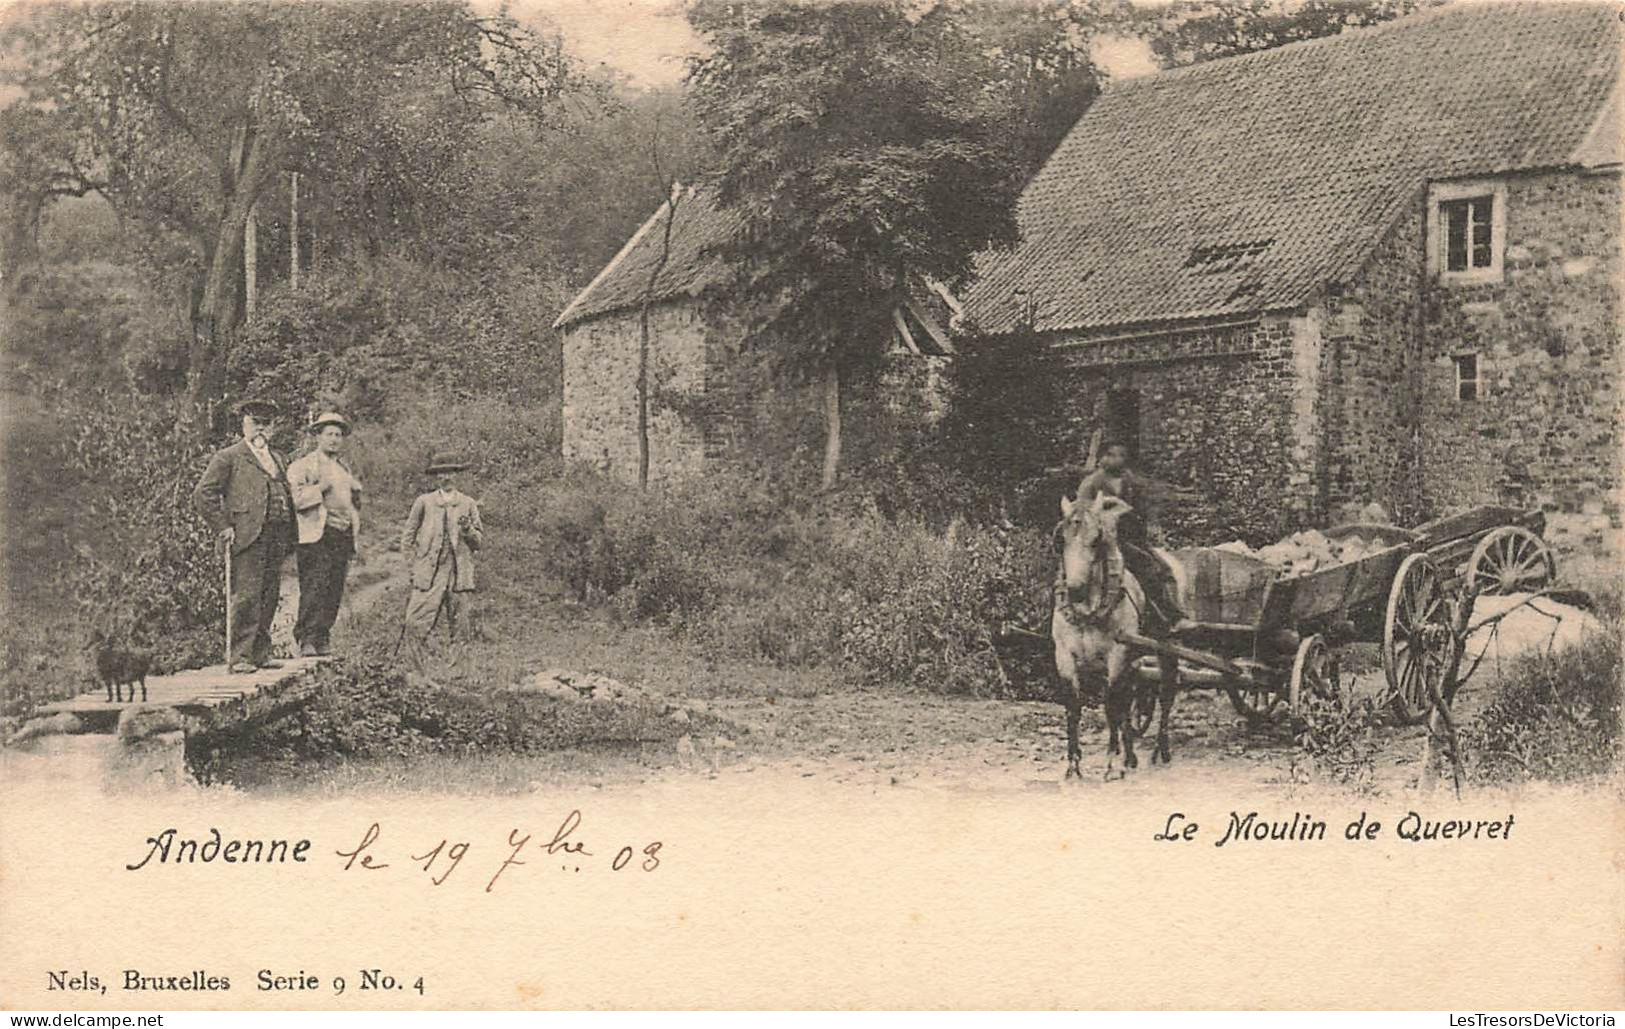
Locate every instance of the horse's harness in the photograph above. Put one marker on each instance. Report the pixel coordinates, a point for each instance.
(1109, 559)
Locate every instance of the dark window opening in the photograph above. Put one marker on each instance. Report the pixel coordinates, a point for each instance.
(1224, 257)
(1467, 381)
(1123, 419)
(1468, 243)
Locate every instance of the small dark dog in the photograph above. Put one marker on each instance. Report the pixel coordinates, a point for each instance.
(117, 668)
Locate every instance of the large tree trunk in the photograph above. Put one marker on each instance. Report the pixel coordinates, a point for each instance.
(217, 308)
(251, 264)
(293, 231)
(832, 424)
(22, 244)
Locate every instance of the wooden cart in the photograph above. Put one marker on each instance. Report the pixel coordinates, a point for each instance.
(1497, 549)
(1272, 642)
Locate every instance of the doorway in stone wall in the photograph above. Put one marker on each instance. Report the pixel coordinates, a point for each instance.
(1122, 418)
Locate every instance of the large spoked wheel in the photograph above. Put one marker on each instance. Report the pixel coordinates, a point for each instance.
(1254, 703)
(1416, 638)
(1316, 688)
(1511, 560)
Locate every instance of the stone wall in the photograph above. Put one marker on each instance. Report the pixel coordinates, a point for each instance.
(1223, 414)
(1368, 365)
(1543, 431)
(600, 411)
(711, 403)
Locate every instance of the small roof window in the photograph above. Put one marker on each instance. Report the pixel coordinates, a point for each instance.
(1224, 257)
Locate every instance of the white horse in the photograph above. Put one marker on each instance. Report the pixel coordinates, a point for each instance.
(1097, 603)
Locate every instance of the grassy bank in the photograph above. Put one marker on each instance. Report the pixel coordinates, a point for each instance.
(1554, 716)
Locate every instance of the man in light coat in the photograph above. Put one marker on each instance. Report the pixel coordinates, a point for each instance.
(327, 500)
(243, 495)
(443, 533)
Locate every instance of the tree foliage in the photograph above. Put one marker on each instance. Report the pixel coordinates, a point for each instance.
(185, 115)
(1209, 29)
(860, 144)
(1041, 52)
(1007, 403)
(857, 142)
(464, 306)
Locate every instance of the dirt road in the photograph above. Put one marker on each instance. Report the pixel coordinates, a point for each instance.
(917, 739)
(924, 740)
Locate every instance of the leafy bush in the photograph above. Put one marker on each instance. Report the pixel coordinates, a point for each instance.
(1553, 715)
(511, 445)
(1340, 743)
(1008, 398)
(99, 496)
(35, 666)
(744, 572)
(929, 610)
(94, 322)
(154, 571)
(361, 336)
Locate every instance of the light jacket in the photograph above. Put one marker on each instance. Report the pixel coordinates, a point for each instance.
(311, 497)
(235, 491)
(433, 514)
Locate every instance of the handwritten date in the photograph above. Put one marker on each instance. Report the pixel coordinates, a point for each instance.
(445, 857)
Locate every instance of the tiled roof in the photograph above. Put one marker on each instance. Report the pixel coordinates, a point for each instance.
(692, 266)
(1246, 184)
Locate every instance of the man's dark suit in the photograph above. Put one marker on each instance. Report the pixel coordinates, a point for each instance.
(236, 491)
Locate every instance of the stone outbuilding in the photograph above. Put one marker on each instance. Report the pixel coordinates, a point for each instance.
(1382, 265)
(704, 391)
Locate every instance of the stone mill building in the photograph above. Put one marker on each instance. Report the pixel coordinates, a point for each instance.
(1382, 265)
(1379, 266)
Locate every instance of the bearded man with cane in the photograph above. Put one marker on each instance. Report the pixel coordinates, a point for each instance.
(244, 497)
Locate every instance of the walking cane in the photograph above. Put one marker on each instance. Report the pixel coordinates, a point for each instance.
(226, 549)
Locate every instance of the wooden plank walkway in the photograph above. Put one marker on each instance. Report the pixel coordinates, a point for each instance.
(193, 691)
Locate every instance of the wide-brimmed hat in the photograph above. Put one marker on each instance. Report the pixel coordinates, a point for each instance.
(327, 418)
(257, 406)
(445, 461)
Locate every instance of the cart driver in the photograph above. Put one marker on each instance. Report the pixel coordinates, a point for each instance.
(1139, 528)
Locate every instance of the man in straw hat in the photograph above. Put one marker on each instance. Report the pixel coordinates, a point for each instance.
(244, 496)
(327, 501)
(442, 534)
